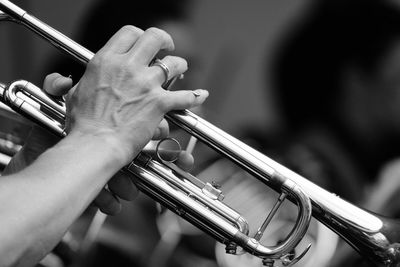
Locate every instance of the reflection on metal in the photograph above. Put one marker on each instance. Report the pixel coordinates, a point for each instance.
(374, 237)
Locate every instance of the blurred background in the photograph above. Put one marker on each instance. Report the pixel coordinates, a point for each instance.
(313, 84)
(227, 35)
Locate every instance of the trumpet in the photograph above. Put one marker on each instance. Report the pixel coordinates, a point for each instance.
(373, 236)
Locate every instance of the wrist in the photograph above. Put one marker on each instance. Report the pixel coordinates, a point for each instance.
(104, 143)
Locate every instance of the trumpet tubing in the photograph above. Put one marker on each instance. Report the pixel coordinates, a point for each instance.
(200, 203)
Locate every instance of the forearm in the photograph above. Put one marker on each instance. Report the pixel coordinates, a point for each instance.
(38, 141)
(119, 96)
(42, 201)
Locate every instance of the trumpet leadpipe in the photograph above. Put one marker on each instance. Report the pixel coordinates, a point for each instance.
(372, 235)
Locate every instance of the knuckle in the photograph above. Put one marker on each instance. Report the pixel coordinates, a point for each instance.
(158, 34)
(146, 82)
(130, 29)
(103, 61)
(97, 61)
(125, 69)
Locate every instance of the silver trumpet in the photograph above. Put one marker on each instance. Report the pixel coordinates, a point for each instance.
(200, 203)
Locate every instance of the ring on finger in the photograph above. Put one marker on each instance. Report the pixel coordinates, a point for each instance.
(164, 67)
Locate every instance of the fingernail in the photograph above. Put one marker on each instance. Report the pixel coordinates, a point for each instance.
(196, 94)
(200, 92)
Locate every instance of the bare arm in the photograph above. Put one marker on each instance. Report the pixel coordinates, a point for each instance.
(112, 113)
(43, 200)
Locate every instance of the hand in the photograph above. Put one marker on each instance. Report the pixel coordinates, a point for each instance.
(120, 186)
(120, 99)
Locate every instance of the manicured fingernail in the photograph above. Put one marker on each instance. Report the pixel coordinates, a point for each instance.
(200, 92)
(196, 94)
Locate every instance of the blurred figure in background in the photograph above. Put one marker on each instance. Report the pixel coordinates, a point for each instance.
(105, 17)
(336, 78)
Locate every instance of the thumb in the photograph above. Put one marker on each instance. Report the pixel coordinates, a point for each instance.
(56, 84)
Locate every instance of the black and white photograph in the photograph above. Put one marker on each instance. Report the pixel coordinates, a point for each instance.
(199, 133)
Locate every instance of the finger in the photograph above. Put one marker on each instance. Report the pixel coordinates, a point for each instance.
(174, 66)
(185, 161)
(56, 84)
(162, 130)
(168, 155)
(123, 40)
(107, 202)
(122, 186)
(148, 45)
(178, 100)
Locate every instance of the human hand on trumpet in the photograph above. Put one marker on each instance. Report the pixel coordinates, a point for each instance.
(126, 110)
(120, 186)
(112, 113)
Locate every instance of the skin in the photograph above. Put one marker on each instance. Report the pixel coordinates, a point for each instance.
(120, 186)
(114, 110)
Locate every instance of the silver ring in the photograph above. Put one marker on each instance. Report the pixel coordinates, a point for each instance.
(164, 67)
